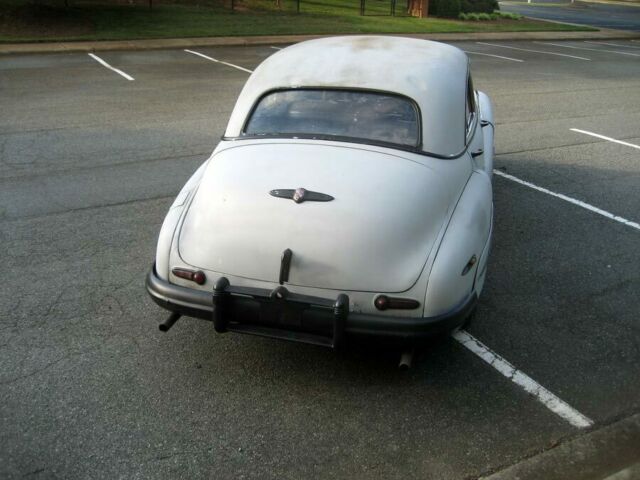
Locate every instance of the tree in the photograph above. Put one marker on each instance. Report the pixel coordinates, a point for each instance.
(418, 8)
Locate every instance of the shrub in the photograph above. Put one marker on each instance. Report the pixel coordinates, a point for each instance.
(476, 17)
(509, 16)
(445, 8)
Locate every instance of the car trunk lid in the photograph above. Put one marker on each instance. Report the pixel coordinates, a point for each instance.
(374, 235)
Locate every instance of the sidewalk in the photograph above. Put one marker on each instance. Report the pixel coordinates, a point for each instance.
(609, 453)
(93, 46)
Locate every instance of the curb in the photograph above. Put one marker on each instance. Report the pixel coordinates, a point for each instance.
(596, 455)
(157, 44)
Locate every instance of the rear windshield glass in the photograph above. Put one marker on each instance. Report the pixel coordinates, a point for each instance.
(360, 115)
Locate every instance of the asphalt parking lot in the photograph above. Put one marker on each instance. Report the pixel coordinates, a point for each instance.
(89, 388)
(596, 14)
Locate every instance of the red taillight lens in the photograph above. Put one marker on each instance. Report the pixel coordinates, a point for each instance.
(195, 276)
(382, 302)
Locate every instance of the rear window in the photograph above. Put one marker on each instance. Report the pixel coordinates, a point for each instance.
(367, 116)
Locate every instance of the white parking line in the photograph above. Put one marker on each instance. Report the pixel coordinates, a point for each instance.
(219, 61)
(276, 48)
(574, 201)
(612, 44)
(105, 64)
(534, 51)
(496, 56)
(597, 135)
(586, 48)
(528, 384)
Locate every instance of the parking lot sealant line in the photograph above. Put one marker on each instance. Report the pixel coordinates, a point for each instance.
(609, 139)
(612, 44)
(586, 48)
(528, 384)
(534, 51)
(105, 64)
(4, 220)
(496, 56)
(579, 203)
(218, 61)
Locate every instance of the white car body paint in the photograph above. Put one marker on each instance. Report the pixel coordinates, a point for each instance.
(375, 236)
(402, 222)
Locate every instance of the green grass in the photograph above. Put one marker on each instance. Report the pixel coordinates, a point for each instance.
(23, 21)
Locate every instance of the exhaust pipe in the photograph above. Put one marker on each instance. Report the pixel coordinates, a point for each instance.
(405, 360)
(168, 323)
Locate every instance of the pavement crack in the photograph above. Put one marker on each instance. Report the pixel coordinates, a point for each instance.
(90, 207)
(48, 365)
(76, 170)
(612, 288)
(34, 472)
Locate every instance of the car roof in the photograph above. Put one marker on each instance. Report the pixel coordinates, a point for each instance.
(432, 74)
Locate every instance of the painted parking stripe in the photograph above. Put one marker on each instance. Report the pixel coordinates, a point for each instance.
(496, 56)
(276, 48)
(609, 139)
(524, 381)
(574, 201)
(534, 51)
(587, 48)
(105, 64)
(219, 61)
(612, 44)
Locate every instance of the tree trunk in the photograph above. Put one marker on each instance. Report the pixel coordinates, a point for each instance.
(419, 8)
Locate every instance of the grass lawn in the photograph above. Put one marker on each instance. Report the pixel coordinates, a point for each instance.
(49, 20)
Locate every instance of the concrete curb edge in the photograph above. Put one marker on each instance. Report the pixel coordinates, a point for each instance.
(594, 455)
(169, 43)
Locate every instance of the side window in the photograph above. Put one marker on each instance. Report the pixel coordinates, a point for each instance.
(470, 103)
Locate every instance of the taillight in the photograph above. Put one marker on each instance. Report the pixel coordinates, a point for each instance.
(197, 276)
(382, 302)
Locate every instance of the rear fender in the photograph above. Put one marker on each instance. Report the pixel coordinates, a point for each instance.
(167, 231)
(468, 232)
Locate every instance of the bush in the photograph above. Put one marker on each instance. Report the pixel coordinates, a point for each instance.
(445, 8)
(468, 16)
(476, 17)
(510, 16)
(479, 6)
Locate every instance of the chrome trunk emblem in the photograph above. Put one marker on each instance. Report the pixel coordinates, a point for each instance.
(300, 195)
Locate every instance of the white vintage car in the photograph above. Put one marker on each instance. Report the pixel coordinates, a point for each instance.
(349, 199)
